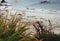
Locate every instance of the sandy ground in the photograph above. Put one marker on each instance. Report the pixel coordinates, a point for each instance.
(34, 15)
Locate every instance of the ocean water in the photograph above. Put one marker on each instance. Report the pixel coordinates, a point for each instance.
(54, 4)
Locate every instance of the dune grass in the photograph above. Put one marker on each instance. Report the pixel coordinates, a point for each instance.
(14, 30)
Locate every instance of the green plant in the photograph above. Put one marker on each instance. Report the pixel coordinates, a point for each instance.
(45, 35)
(8, 30)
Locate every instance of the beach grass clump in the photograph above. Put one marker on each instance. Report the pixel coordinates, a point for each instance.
(13, 29)
(44, 34)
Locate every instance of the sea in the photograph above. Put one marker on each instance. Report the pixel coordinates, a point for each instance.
(54, 4)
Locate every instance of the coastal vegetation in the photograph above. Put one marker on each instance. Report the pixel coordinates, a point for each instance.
(14, 30)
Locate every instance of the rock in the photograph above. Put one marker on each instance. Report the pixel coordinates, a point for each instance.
(3, 1)
(44, 2)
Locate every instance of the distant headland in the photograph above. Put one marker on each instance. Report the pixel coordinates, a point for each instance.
(43, 2)
(3, 1)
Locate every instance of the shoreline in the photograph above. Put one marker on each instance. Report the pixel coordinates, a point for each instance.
(33, 15)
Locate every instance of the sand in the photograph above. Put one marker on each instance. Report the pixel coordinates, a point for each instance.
(33, 15)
